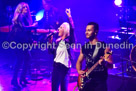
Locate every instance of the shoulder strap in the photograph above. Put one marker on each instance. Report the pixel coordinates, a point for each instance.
(95, 51)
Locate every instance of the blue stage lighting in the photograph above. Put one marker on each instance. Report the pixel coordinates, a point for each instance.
(39, 15)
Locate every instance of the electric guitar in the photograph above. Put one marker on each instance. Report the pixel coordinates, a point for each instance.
(83, 80)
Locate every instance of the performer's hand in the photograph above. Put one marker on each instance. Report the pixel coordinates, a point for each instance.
(82, 73)
(50, 39)
(35, 24)
(68, 12)
(101, 60)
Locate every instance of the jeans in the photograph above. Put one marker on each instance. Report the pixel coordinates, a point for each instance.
(23, 59)
(60, 76)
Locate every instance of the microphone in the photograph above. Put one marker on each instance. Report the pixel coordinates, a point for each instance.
(54, 32)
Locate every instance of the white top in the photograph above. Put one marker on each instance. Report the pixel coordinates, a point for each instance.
(62, 55)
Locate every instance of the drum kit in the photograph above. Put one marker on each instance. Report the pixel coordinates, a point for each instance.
(131, 62)
(127, 21)
(133, 58)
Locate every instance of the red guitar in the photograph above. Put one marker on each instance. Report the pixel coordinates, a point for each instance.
(83, 80)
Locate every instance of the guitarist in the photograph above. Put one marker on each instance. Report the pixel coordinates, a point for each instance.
(93, 51)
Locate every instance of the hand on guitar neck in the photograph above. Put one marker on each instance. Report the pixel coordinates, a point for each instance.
(106, 60)
(83, 77)
(103, 61)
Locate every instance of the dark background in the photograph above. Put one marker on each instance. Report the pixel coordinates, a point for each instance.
(104, 12)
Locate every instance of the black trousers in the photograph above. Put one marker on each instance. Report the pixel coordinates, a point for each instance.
(23, 60)
(60, 76)
(96, 85)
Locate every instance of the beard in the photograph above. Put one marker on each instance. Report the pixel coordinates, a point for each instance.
(92, 37)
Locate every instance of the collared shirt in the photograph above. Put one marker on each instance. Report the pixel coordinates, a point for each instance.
(62, 55)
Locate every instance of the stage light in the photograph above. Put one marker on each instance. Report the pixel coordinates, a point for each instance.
(118, 2)
(115, 37)
(39, 15)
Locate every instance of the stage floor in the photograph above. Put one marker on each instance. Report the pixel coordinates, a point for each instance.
(45, 83)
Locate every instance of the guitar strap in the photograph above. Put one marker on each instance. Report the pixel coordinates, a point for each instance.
(96, 50)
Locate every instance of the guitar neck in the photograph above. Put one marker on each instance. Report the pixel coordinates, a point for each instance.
(106, 56)
(92, 68)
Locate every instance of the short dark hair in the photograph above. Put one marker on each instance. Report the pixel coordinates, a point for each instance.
(96, 26)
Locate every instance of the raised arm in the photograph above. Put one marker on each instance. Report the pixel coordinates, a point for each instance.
(68, 12)
(72, 35)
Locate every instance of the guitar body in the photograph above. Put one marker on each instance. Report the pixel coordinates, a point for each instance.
(82, 81)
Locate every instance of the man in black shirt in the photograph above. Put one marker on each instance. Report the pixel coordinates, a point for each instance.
(51, 18)
(94, 52)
